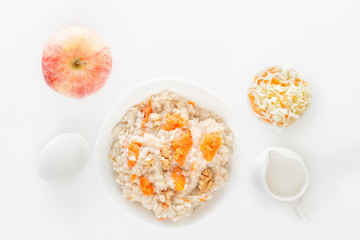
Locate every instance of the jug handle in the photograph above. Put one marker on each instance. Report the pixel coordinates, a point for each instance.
(301, 210)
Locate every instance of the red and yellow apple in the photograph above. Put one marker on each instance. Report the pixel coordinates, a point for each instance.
(76, 62)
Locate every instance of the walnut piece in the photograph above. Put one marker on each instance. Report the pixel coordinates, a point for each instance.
(166, 158)
(165, 151)
(205, 181)
(149, 164)
(166, 163)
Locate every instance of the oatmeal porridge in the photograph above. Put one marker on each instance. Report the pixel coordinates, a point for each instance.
(170, 155)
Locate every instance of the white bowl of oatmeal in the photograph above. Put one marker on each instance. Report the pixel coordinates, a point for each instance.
(166, 160)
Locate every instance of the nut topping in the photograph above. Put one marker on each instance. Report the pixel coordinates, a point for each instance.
(166, 158)
(205, 181)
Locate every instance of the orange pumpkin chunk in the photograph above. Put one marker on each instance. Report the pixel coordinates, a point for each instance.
(173, 122)
(133, 150)
(146, 186)
(209, 145)
(179, 179)
(182, 146)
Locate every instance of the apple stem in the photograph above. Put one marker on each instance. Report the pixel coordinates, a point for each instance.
(80, 62)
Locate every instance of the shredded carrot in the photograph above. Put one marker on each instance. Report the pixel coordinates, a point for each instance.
(192, 103)
(275, 81)
(133, 177)
(253, 104)
(277, 96)
(262, 96)
(256, 108)
(262, 80)
(271, 70)
(202, 199)
(297, 82)
(160, 219)
(281, 103)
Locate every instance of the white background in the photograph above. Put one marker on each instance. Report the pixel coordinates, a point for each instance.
(219, 44)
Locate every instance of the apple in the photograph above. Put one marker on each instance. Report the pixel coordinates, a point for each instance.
(76, 62)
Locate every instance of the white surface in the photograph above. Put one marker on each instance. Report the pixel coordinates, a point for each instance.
(219, 44)
(204, 99)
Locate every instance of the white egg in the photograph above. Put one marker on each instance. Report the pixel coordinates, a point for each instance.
(63, 157)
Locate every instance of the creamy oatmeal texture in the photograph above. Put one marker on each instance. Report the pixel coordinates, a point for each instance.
(170, 155)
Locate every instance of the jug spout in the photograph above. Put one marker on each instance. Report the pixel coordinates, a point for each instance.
(259, 169)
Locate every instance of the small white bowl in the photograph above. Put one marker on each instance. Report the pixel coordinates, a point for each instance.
(202, 98)
(262, 71)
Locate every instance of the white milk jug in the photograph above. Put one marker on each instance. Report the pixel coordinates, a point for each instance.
(282, 174)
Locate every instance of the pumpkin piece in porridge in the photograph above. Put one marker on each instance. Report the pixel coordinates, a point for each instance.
(146, 186)
(182, 146)
(179, 179)
(174, 121)
(209, 145)
(133, 151)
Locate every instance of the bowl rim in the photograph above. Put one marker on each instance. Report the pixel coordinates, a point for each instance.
(242, 142)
